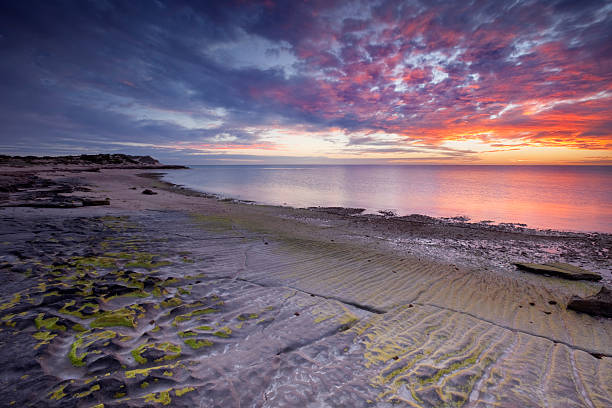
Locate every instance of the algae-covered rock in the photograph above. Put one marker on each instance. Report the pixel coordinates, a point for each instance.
(599, 304)
(560, 269)
(123, 318)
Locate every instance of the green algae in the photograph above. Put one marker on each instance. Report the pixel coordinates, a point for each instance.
(145, 371)
(58, 393)
(16, 298)
(172, 302)
(75, 358)
(44, 335)
(214, 223)
(162, 397)
(173, 350)
(187, 333)
(137, 357)
(7, 319)
(77, 313)
(243, 317)
(207, 328)
(323, 318)
(182, 391)
(159, 292)
(453, 367)
(223, 332)
(190, 315)
(49, 324)
(194, 305)
(121, 317)
(170, 281)
(94, 261)
(85, 340)
(88, 392)
(145, 260)
(45, 338)
(196, 344)
(136, 293)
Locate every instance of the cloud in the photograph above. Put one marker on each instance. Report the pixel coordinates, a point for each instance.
(192, 76)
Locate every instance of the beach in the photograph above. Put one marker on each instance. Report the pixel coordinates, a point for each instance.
(175, 297)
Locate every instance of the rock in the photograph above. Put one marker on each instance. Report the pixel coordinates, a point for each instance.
(338, 210)
(388, 213)
(104, 365)
(148, 192)
(93, 161)
(110, 386)
(88, 311)
(562, 270)
(91, 202)
(598, 305)
(153, 354)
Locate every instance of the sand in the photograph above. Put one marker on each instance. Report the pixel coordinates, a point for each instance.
(181, 299)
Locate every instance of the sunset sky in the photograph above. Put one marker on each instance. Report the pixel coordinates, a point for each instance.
(249, 82)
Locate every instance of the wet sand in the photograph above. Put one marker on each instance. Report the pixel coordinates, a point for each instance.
(184, 300)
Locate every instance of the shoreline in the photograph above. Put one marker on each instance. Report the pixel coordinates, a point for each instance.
(457, 216)
(470, 245)
(396, 224)
(365, 305)
(457, 221)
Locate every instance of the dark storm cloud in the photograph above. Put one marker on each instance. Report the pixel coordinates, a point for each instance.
(178, 75)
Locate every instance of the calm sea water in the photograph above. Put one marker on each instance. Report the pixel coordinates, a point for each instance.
(575, 198)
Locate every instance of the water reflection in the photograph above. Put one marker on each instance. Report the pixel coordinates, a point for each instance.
(559, 197)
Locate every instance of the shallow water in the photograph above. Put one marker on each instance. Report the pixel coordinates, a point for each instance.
(575, 198)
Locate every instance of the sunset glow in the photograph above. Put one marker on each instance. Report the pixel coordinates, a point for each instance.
(485, 82)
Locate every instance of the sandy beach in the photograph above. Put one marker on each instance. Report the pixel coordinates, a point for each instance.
(177, 298)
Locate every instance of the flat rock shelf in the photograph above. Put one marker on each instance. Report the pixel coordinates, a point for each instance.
(560, 269)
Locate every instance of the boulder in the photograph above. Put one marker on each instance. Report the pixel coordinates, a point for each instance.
(599, 304)
(562, 270)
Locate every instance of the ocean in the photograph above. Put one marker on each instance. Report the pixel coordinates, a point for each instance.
(569, 198)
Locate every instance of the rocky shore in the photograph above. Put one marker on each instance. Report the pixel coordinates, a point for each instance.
(115, 298)
(89, 161)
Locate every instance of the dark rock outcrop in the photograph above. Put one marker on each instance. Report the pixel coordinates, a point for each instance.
(598, 305)
(338, 210)
(92, 202)
(562, 270)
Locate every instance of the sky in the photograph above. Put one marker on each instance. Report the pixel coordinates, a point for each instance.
(321, 82)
